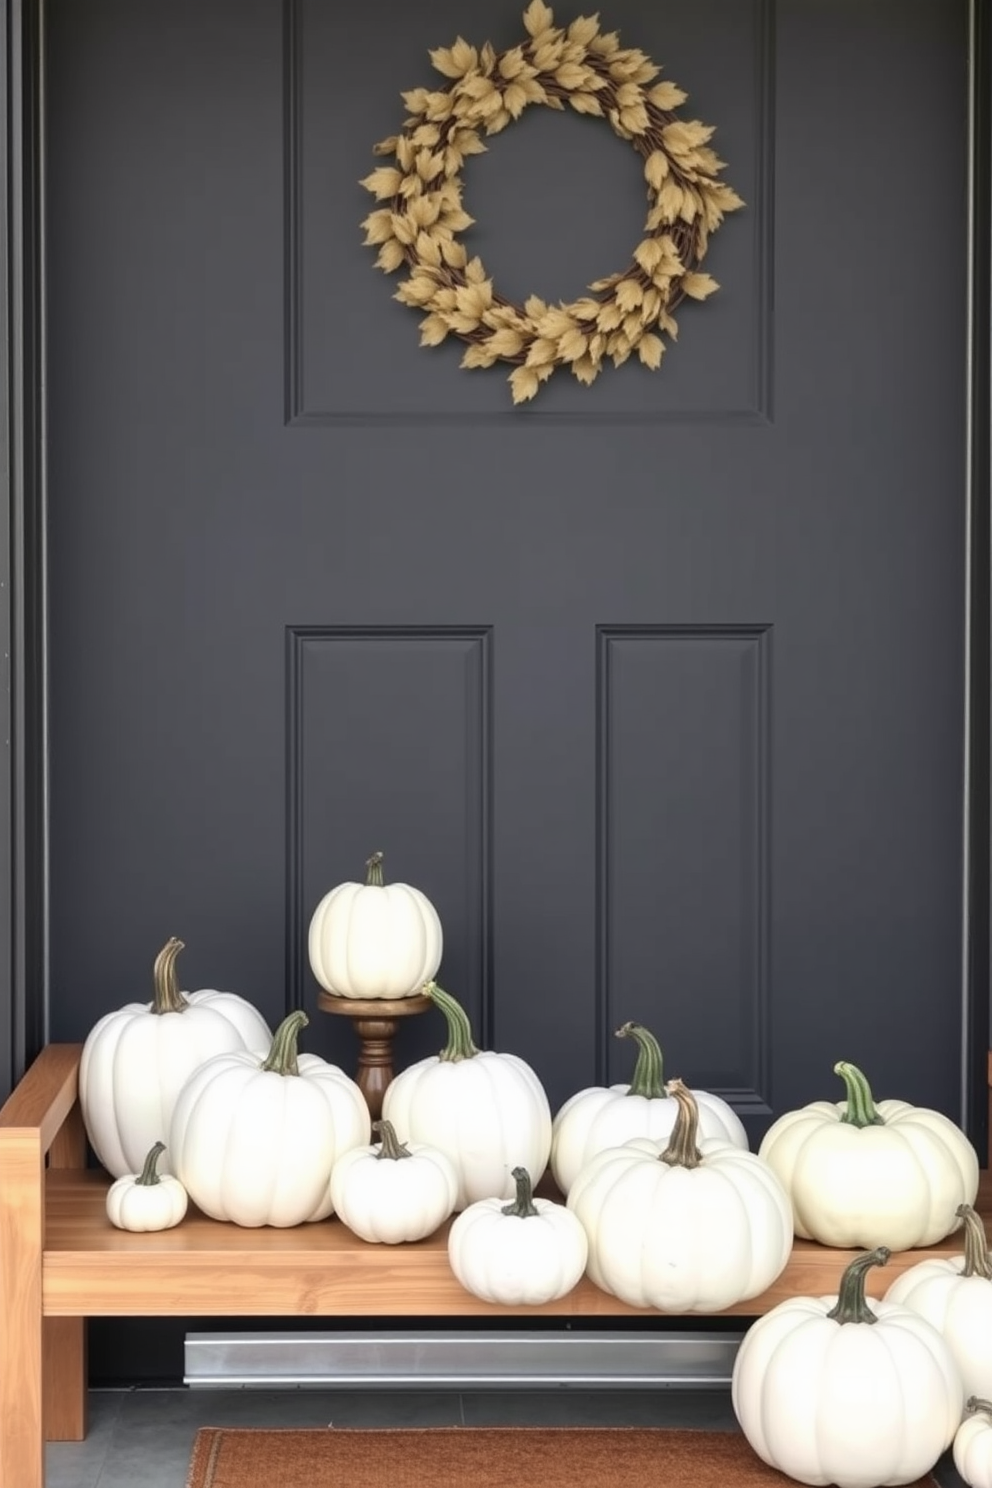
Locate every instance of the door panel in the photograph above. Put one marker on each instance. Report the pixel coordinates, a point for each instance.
(656, 688)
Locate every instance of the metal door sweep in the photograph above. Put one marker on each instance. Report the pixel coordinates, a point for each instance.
(460, 1359)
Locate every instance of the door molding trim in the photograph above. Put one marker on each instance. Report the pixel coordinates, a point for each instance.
(23, 550)
(24, 701)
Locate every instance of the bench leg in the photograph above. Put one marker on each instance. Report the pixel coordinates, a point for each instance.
(22, 1444)
(64, 1379)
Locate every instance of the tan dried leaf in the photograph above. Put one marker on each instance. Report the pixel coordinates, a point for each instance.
(547, 57)
(669, 325)
(535, 307)
(428, 250)
(455, 61)
(656, 169)
(534, 90)
(430, 164)
(439, 106)
(629, 295)
(478, 355)
(650, 305)
(417, 291)
(651, 349)
(571, 75)
(433, 330)
(584, 309)
(415, 100)
(512, 64)
(403, 228)
(538, 17)
(691, 205)
(583, 29)
(572, 345)
(497, 122)
(389, 257)
(385, 147)
(378, 227)
(541, 352)
(699, 286)
(475, 272)
(648, 255)
(425, 210)
(645, 72)
(555, 322)
(515, 100)
(619, 348)
(633, 326)
(606, 44)
(524, 383)
(586, 103)
(586, 369)
(487, 58)
(667, 96)
(458, 220)
(474, 299)
(476, 86)
(610, 316)
(628, 94)
(635, 120)
(506, 342)
(454, 254)
(383, 183)
(466, 141)
(411, 186)
(600, 285)
(625, 62)
(425, 136)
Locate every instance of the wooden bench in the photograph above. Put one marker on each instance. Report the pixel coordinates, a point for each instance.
(61, 1261)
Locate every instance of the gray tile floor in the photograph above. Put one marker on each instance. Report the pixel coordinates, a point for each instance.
(145, 1436)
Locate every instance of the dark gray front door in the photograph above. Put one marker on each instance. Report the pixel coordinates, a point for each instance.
(656, 688)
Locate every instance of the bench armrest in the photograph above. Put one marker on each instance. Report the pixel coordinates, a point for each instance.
(44, 1099)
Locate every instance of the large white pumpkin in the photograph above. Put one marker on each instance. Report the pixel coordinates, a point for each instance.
(255, 1136)
(136, 1060)
(487, 1111)
(867, 1173)
(608, 1116)
(832, 1390)
(528, 1252)
(955, 1296)
(973, 1444)
(374, 940)
(388, 1193)
(694, 1226)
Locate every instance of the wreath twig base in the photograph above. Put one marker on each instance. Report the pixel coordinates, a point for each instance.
(419, 223)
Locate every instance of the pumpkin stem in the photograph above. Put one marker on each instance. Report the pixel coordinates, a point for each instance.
(974, 1404)
(148, 1177)
(390, 1146)
(167, 998)
(977, 1261)
(861, 1110)
(683, 1145)
(851, 1306)
(523, 1206)
(648, 1077)
(373, 871)
(281, 1058)
(459, 1045)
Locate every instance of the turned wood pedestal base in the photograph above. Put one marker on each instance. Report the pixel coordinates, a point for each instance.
(376, 1021)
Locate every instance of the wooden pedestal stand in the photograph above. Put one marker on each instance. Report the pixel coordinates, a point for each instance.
(375, 1021)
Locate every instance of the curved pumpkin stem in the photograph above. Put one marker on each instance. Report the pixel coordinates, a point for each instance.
(974, 1404)
(851, 1305)
(977, 1261)
(390, 1145)
(167, 997)
(148, 1176)
(373, 871)
(648, 1077)
(861, 1108)
(459, 1045)
(282, 1056)
(523, 1206)
(683, 1144)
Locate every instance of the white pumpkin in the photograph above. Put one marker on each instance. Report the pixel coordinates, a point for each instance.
(136, 1060)
(973, 1444)
(374, 940)
(528, 1252)
(391, 1193)
(694, 1226)
(487, 1111)
(255, 1136)
(146, 1200)
(867, 1173)
(608, 1116)
(832, 1390)
(955, 1296)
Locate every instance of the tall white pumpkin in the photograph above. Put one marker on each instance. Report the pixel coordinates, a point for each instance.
(255, 1136)
(487, 1111)
(374, 940)
(136, 1060)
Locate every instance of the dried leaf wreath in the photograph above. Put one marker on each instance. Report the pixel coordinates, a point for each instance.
(418, 227)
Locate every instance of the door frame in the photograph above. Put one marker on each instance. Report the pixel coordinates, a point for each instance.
(24, 799)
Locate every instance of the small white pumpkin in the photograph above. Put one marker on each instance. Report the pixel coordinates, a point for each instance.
(391, 1193)
(255, 1136)
(528, 1252)
(374, 940)
(867, 1173)
(136, 1060)
(955, 1296)
(973, 1444)
(487, 1111)
(608, 1116)
(832, 1390)
(146, 1200)
(694, 1226)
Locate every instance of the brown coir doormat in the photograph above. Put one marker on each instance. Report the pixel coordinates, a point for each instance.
(468, 1457)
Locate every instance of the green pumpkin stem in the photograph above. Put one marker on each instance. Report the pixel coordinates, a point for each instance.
(861, 1109)
(390, 1145)
(281, 1058)
(167, 996)
(977, 1260)
(974, 1403)
(648, 1077)
(851, 1305)
(148, 1177)
(373, 871)
(523, 1206)
(459, 1045)
(683, 1144)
